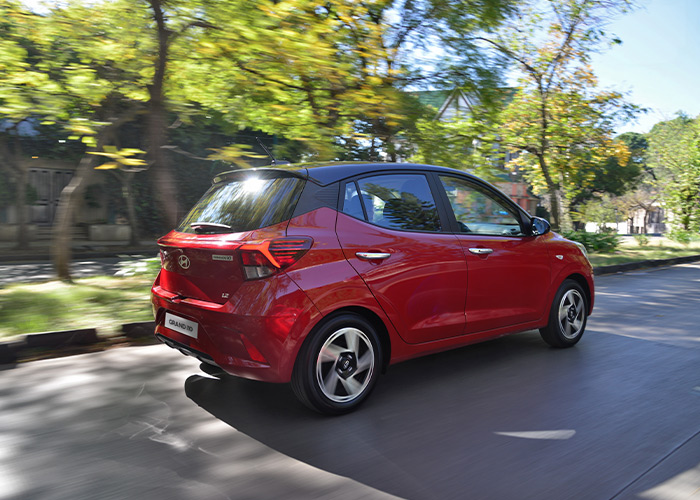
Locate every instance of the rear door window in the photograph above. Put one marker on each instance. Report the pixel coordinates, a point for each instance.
(244, 204)
(396, 201)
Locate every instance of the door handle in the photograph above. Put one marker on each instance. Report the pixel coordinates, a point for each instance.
(372, 255)
(481, 251)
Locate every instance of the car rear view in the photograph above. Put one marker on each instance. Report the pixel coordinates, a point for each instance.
(232, 246)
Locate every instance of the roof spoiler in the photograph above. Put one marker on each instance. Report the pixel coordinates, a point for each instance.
(261, 173)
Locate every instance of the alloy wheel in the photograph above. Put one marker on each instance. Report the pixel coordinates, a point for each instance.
(345, 365)
(571, 314)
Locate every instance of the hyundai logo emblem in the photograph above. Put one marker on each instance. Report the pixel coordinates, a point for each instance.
(183, 261)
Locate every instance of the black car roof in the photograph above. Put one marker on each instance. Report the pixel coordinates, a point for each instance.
(333, 172)
(325, 173)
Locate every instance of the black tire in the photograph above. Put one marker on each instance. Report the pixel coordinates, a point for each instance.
(567, 317)
(341, 378)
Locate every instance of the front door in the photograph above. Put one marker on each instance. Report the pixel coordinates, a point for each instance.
(508, 270)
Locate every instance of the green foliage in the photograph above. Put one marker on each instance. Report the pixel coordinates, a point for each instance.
(613, 176)
(603, 242)
(642, 239)
(465, 142)
(682, 236)
(674, 154)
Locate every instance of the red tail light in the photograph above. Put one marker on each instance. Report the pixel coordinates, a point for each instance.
(265, 258)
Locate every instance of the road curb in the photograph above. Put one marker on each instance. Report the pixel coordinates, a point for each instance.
(60, 339)
(644, 264)
(65, 341)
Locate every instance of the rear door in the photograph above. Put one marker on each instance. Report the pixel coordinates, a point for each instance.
(392, 232)
(509, 270)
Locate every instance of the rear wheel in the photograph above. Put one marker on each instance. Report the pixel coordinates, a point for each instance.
(568, 316)
(338, 366)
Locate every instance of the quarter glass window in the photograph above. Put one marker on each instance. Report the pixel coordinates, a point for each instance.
(352, 204)
(477, 211)
(400, 201)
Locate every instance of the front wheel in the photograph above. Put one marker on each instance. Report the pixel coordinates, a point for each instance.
(338, 366)
(567, 318)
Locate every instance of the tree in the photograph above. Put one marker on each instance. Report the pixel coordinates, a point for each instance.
(558, 121)
(302, 70)
(27, 96)
(332, 74)
(674, 155)
(613, 177)
(466, 142)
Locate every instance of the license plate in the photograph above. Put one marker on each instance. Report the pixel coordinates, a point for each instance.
(182, 325)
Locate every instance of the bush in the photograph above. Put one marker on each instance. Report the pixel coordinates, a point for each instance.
(642, 239)
(682, 236)
(595, 242)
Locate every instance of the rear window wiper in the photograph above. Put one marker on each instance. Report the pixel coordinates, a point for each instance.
(200, 227)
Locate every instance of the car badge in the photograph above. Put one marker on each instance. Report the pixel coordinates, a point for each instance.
(183, 261)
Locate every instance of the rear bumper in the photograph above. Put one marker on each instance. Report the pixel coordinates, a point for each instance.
(253, 338)
(186, 350)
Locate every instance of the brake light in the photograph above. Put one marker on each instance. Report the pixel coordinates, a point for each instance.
(265, 258)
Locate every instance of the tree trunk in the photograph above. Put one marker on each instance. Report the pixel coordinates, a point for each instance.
(646, 221)
(554, 209)
(63, 223)
(62, 235)
(554, 194)
(161, 174)
(127, 180)
(21, 203)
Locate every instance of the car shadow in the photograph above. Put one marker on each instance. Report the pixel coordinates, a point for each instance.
(414, 437)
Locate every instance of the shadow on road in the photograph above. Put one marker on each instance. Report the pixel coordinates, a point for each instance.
(423, 429)
(510, 418)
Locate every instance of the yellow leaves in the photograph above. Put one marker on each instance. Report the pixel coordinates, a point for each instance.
(235, 153)
(108, 166)
(282, 108)
(81, 130)
(122, 158)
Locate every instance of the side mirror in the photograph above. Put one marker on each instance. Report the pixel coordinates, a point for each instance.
(539, 226)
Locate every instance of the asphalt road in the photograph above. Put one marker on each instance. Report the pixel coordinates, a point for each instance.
(618, 416)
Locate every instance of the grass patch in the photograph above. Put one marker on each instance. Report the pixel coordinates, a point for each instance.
(102, 302)
(655, 249)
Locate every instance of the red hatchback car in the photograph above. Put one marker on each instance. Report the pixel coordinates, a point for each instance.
(324, 275)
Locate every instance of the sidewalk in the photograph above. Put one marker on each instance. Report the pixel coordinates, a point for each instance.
(40, 251)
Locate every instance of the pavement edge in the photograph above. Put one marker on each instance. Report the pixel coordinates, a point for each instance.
(66, 342)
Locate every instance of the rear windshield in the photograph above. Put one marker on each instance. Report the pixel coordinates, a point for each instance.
(243, 205)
